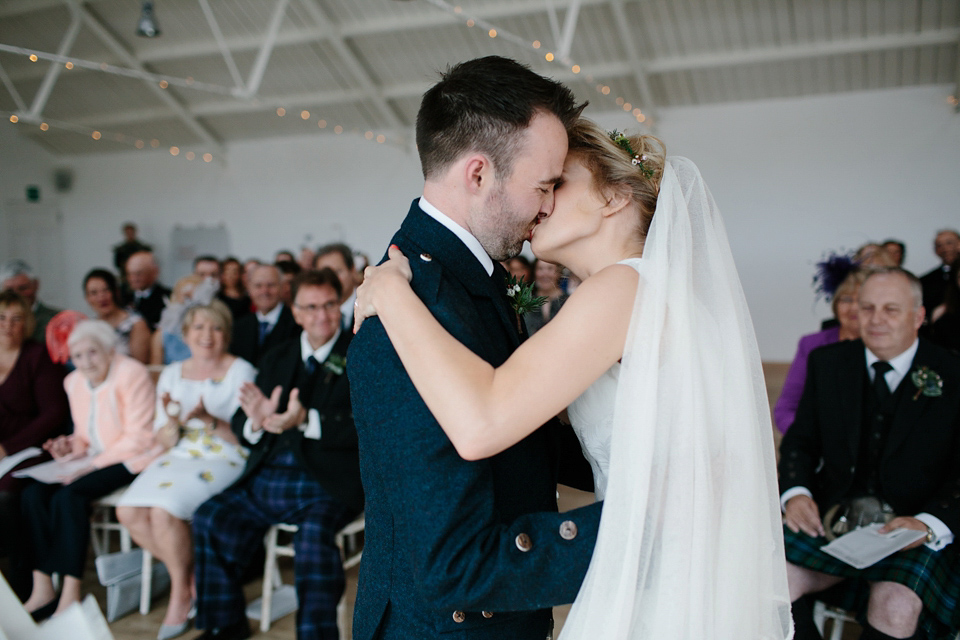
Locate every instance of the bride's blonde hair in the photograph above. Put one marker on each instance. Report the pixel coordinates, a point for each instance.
(612, 166)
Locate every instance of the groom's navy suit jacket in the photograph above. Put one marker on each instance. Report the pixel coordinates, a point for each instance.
(451, 546)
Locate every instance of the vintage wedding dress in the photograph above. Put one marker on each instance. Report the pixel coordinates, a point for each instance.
(679, 437)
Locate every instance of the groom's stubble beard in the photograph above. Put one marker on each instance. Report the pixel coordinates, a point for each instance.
(500, 230)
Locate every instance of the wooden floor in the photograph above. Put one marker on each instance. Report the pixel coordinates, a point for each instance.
(136, 627)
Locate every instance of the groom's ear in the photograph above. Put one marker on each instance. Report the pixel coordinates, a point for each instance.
(478, 173)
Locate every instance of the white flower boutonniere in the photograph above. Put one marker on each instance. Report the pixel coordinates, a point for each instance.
(521, 296)
(927, 381)
(335, 364)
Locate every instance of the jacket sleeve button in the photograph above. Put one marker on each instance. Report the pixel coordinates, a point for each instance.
(458, 616)
(487, 614)
(523, 542)
(568, 530)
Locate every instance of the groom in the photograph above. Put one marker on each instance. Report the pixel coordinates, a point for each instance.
(473, 549)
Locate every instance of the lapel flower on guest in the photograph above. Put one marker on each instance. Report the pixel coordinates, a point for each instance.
(334, 365)
(521, 296)
(927, 381)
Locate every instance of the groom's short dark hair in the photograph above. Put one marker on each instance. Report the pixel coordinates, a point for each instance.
(483, 105)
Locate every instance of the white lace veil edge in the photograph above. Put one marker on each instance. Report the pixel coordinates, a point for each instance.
(690, 543)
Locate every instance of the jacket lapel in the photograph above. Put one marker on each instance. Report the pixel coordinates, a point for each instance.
(328, 378)
(909, 411)
(851, 404)
(439, 243)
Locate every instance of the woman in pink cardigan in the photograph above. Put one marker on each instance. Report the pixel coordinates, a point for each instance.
(112, 402)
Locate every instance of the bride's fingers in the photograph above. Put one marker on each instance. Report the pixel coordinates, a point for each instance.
(402, 264)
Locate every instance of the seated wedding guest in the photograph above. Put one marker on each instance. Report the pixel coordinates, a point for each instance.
(339, 258)
(101, 291)
(520, 268)
(547, 285)
(946, 245)
(303, 469)
(146, 296)
(207, 266)
(248, 267)
(284, 255)
(232, 292)
(897, 251)
(306, 257)
(33, 408)
(17, 276)
(843, 300)
(877, 439)
(271, 325)
(112, 402)
(944, 325)
(167, 344)
(196, 400)
(288, 271)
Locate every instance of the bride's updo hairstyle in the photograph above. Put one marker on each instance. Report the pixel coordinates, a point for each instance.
(612, 166)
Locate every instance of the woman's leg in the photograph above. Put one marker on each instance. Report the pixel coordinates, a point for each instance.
(137, 522)
(35, 505)
(42, 594)
(175, 549)
(69, 594)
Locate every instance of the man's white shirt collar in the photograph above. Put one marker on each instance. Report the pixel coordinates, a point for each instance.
(346, 309)
(465, 236)
(320, 353)
(271, 316)
(901, 365)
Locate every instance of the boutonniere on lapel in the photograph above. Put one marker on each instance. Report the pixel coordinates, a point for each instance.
(927, 381)
(521, 296)
(334, 365)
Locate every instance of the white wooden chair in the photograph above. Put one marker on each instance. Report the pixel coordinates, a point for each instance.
(266, 607)
(822, 612)
(104, 522)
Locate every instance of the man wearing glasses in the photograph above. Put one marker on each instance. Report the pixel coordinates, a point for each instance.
(303, 469)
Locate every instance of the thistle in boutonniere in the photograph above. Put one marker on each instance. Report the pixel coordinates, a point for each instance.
(927, 381)
(521, 296)
(335, 364)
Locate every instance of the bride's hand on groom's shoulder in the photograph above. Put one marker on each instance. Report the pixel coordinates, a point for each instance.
(377, 282)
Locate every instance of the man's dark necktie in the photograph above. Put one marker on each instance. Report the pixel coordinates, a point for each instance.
(879, 382)
(264, 330)
(311, 365)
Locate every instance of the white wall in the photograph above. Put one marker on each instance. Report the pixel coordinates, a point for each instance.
(794, 178)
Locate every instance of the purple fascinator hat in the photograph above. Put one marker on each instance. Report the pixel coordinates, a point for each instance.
(831, 272)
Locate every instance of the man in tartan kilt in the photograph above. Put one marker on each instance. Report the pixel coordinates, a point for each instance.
(879, 417)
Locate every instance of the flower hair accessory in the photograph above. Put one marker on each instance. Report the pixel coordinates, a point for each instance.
(623, 142)
(831, 272)
(172, 315)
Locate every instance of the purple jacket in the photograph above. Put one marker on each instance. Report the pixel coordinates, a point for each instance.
(786, 408)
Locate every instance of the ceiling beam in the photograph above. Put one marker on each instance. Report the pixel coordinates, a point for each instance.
(353, 64)
(647, 101)
(53, 71)
(129, 59)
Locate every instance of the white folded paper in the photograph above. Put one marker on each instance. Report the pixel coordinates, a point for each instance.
(14, 459)
(864, 547)
(55, 471)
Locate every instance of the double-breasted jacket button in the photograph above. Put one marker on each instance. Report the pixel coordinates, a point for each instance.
(458, 616)
(426, 257)
(568, 530)
(487, 614)
(524, 543)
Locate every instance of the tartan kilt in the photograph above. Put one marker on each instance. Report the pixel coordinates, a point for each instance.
(933, 575)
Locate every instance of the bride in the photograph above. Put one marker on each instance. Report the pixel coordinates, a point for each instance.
(656, 360)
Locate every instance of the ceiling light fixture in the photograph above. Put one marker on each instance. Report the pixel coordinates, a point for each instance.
(147, 26)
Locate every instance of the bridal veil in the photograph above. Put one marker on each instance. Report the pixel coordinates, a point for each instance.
(690, 543)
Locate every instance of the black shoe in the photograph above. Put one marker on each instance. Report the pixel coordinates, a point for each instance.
(45, 611)
(236, 631)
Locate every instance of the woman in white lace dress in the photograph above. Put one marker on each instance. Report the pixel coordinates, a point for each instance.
(656, 358)
(196, 399)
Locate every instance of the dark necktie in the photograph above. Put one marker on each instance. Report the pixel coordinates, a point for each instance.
(264, 330)
(879, 382)
(311, 365)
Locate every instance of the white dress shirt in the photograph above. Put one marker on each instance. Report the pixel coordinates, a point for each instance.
(271, 317)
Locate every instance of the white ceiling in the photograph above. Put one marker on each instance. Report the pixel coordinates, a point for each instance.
(363, 64)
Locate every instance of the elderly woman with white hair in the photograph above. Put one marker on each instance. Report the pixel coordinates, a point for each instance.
(112, 404)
